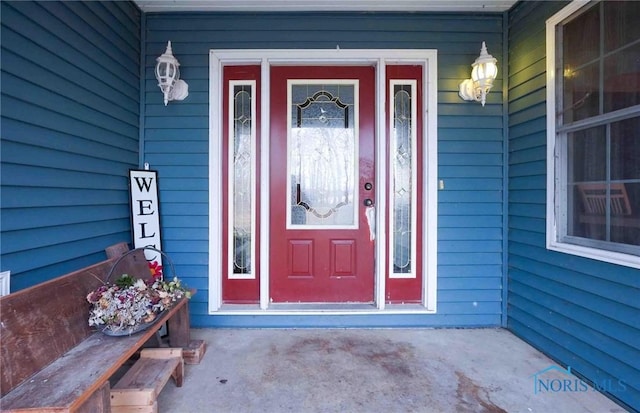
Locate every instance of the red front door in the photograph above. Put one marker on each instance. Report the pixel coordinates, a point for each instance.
(322, 184)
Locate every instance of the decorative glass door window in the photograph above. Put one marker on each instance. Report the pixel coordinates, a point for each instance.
(403, 167)
(242, 173)
(323, 154)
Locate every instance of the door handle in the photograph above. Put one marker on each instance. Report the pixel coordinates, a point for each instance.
(370, 213)
(368, 202)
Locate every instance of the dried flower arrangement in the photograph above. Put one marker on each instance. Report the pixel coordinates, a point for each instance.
(130, 305)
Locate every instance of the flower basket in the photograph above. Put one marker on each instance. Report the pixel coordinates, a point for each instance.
(130, 305)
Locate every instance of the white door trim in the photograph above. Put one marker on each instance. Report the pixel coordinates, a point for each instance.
(375, 57)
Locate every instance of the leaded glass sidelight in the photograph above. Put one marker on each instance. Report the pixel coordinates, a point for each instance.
(323, 155)
(402, 161)
(242, 151)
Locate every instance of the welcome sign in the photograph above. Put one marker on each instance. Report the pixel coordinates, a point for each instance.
(145, 215)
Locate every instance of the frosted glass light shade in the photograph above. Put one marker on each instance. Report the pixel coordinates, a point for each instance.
(168, 75)
(484, 71)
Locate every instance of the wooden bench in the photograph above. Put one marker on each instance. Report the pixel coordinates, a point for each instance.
(52, 361)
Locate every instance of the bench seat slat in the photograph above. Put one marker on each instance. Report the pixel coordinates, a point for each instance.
(144, 381)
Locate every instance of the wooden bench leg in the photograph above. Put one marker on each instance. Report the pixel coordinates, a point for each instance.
(138, 389)
(179, 336)
(97, 402)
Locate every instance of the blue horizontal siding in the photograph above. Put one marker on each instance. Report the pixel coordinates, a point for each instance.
(472, 174)
(42, 236)
(38, 176)
(588, 274)
(469, 271)
(17, 219)
(528, 128)
(22, 154)
(491, 115)
(39, 258)
(528, 210)
(525, 142)
(157, 134)
(184, 209)
(198, 319)
(524, 102)
(70, 110)
(34, 197)
(188, 247)
(465, 182)
(121, 52)
(478, 122)
(583, 313)
(90, 144)
(466, 258)
(458, 295)
(476, 147)
(318, 21)
(470, 156)
(527, 168)
(463, 222)
(70, 133)
(178, 234)
(24, 20)
(469, 159)
(585, 359)
(24, 94)
(470, 246)
(525, 223)
(588, 299)
(474, 281)
(470, 197)
(477, 234)
(39, 76)
(182, 146)
(67, 123)
(59, 267)
(467, 134)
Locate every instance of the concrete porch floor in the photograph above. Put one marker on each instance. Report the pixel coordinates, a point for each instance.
(377, 370)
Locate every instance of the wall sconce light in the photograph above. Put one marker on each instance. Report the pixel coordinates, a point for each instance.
(483, 74)
(168, 75)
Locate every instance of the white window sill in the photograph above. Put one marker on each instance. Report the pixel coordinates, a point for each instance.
(627, 260)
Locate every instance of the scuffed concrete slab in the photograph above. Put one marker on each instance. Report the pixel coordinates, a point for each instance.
(381, 370)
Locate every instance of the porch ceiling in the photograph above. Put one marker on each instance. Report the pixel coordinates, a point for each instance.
(326, 5)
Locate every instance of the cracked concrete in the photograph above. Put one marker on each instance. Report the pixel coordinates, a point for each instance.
(377, 370)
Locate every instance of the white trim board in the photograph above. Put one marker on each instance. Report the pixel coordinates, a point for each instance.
(485, 6)
(378, 58)
(5, 283)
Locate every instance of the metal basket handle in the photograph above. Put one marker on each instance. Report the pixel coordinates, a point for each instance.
(173, 269)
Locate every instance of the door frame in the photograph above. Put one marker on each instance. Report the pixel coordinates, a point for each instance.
(378, 58)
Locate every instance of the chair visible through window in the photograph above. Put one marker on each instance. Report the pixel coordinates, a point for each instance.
(594, 197)
(623, 226)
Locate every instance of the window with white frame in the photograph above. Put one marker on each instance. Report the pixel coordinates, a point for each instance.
(593, 126)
